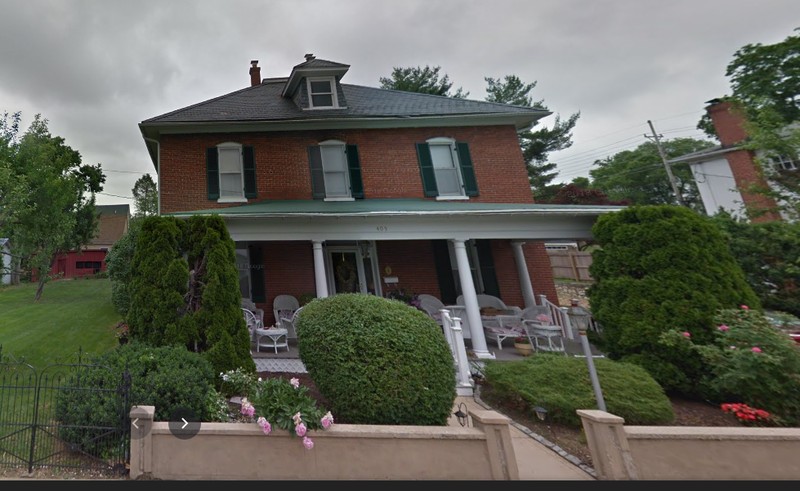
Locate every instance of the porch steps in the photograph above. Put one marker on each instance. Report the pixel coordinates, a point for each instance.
(286, 365)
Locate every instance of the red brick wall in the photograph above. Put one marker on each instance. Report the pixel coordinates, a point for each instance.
(746, 175)
(412, 262)
(388, 164)
(728, 123)
(288, 270)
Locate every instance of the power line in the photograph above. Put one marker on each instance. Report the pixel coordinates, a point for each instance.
(117, 196)
(666, 164)
(125, 171)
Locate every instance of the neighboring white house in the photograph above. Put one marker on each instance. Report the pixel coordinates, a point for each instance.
(5, 262)
(725, 173)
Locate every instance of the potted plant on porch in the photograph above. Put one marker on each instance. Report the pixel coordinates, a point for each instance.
(523, 345)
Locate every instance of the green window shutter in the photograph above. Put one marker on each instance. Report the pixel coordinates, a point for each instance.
(354, 166)
(486, 260)
(257, 291)
(426, 170)
(467, 172)
(249, 158)
(317, 176)
(441, 258)
(212, 172)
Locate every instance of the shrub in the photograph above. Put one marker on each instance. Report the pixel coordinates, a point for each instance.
(561, 384)
(751, 362)
(769, 255)
(118, 264)
(377, 361)
(661, 268)
(166, 377)
(279, 400)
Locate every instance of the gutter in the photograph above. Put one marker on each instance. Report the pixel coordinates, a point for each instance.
(557, 212)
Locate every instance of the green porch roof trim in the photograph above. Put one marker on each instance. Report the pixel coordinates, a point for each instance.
(394, 207)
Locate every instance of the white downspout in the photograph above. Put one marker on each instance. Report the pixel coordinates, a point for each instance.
(158, 169)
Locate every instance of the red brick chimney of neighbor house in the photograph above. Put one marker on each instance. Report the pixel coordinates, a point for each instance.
(255, 73)
(728, 122)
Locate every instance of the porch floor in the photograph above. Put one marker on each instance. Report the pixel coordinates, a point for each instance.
(288, 361)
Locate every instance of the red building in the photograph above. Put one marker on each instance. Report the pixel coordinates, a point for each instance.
(113, 223)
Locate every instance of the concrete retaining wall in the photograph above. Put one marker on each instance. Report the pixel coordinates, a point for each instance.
(240, 451)
(686, 452)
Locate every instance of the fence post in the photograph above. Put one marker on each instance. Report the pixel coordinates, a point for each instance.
(608, 444)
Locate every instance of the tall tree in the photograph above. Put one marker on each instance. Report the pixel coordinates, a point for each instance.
(638, 176)
(422, 80)
(145, 197)
(536, 144)
(765, 80)
(52, 202)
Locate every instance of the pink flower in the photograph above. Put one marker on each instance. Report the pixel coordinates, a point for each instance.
(247, 408)
(755, 349)
(744, 307)
(300, 429)
(264, 424)
(733, 347)
(308, 443)
(723, 327)
(327, 420)
(687, 334)
(295, 382)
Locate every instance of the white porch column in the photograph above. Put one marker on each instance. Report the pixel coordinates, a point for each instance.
(470, 301)
(524, 276)
(319, 270)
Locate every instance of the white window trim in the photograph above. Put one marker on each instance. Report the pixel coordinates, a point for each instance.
(334, 95)
(231, 199)
(343, 145)
(441, 141)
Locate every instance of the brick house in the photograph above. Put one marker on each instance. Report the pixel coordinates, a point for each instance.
(725, 173)
(91, 259)
(328, 188)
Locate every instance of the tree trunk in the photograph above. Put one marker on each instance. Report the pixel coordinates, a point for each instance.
(42, 281)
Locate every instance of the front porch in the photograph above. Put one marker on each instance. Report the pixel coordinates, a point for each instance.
(288, 361)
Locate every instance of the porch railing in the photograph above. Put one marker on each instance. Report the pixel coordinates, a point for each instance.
(455, 339)
(559, 316)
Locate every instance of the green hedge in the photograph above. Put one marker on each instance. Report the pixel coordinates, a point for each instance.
(561, 384)
(377, 361)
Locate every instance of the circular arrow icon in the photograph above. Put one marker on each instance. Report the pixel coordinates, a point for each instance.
(183, 423)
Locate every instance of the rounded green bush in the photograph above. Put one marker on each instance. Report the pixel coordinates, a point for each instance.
(167, 377)
(561, 384)
(377, 361)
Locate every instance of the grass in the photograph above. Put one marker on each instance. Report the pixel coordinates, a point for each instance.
(71, 315)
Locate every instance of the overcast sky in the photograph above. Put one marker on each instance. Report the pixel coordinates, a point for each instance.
(96, 68)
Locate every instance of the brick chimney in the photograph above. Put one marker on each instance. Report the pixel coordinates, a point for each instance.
(728, 122)
(255, 73)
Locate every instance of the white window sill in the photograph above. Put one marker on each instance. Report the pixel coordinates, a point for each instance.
(452, 198)
(340, 199)
(232, 200)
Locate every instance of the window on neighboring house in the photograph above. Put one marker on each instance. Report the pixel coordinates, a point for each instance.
(231, 172)
(322, 93)
(88, 265)
(783, 162)
(446, 169)
(335, 171)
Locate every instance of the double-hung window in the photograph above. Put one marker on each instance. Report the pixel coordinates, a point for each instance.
(322, 93)
(446, 169)
(231, 172)
(335, 171)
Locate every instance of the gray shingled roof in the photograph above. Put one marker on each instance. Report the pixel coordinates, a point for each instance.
(264, 103)
(315, 63)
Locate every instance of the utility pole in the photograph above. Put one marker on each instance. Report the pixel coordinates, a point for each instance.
(672, 182)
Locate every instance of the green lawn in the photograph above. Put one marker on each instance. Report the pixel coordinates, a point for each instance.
(71, 314)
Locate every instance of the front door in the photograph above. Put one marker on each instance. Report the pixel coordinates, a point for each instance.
(350, 269)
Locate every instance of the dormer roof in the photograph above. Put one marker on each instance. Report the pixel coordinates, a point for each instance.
(312, 67)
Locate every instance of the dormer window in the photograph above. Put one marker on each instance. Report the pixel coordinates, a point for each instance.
(322, 93)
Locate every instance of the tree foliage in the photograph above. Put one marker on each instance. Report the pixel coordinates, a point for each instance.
(765, 81)
(118, 264)
(184, 289)
(423, 80)
(536, 144)
(48, 196)
(769, 255)
(638, 176)
(145, 196)
(660, 268)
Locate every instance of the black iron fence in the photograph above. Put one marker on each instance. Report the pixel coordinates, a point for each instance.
(48, 418)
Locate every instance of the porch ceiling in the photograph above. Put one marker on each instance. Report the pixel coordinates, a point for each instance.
(406, 219)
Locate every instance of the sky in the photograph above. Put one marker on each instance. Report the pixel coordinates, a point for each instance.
(96, 68)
